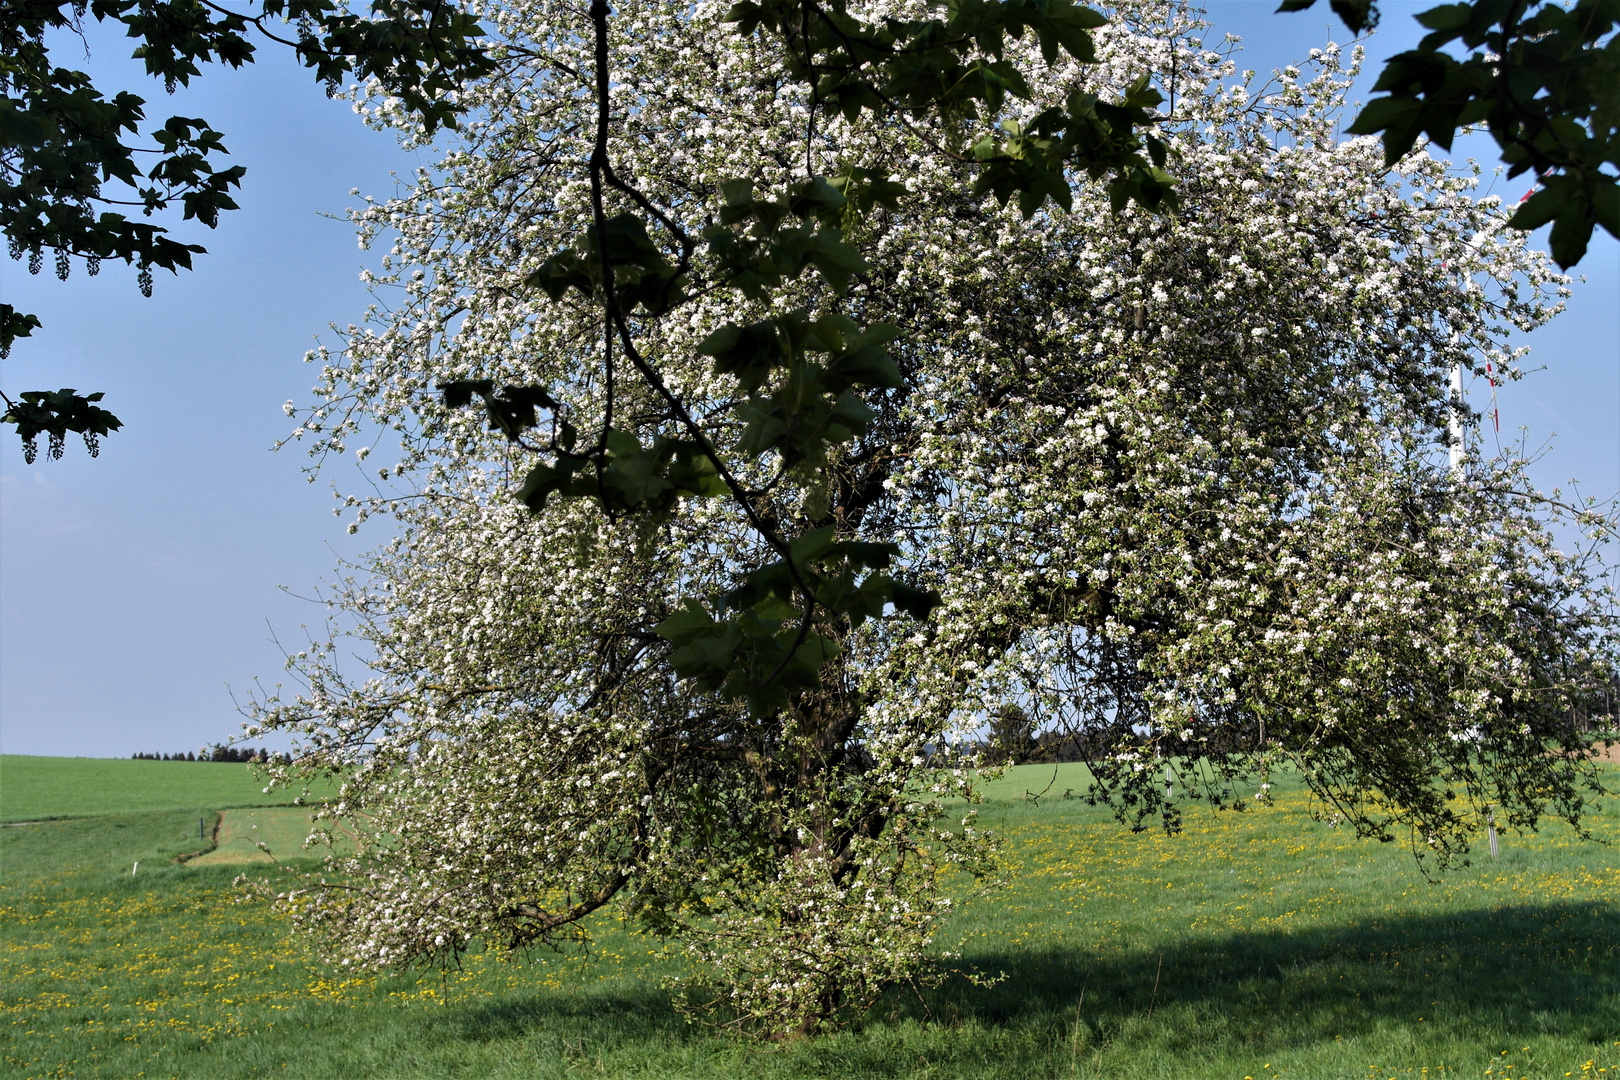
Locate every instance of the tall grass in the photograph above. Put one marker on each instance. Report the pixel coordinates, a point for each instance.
(1251, 946)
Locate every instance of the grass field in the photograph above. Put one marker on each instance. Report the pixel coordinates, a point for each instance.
(38, 788)
(237, 839)
(1251, 947)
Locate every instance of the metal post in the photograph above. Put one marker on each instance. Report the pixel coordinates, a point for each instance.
(1455, 425)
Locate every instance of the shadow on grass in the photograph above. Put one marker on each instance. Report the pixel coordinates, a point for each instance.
(1483, 976)
(645, 1013)
(1541, 968)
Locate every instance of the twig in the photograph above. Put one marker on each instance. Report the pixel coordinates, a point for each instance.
(1155, 999)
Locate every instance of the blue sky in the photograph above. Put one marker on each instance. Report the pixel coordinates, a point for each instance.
(140, 590)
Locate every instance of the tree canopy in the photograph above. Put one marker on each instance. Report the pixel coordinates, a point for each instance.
(1542, 77)
(815, 428)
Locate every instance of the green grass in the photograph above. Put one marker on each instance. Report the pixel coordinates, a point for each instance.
(1252, 946)
(280, 829)
(39, 788)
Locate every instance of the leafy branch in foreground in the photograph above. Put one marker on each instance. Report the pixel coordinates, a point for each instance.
(1544, 79)
(73, 168)
(54, 415)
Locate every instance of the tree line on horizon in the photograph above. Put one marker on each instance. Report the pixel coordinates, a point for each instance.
(242, 754)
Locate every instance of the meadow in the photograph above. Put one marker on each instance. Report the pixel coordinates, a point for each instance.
(1251, 946)
(41, 788)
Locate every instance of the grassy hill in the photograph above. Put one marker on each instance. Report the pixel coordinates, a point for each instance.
(38, 788)
(1251, 947)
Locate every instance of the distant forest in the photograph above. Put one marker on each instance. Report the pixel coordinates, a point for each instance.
(217, 753)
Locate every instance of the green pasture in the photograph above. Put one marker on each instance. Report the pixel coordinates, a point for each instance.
(262, 836)
(1252, 946)
(38, 788)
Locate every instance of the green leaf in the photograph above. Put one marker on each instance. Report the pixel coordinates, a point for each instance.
(815, 652)
(1380, 113)
(1571, 232)
(695, 474)
(835, 260)
(459, 393)
(1606, 206)
(749, 352)
(55, 414)
(915, 602)
(815, 192)
(1141, 94)
(851, 413)
(1066, 26)
(871, 555)
(721, 342)
(866, 188)
(537, 487)
(14, 325)
(1358, 15)
(868, 366)
(1446, 17)
(1539, 209)
(812, 545)
(563, 271)
(765, 429)
(747, 16)
(627, 238)
(690, 620)
(737, 192)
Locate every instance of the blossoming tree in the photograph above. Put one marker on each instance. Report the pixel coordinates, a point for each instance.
(811, 434)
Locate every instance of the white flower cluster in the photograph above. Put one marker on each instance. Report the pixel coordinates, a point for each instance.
(1181, 481)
